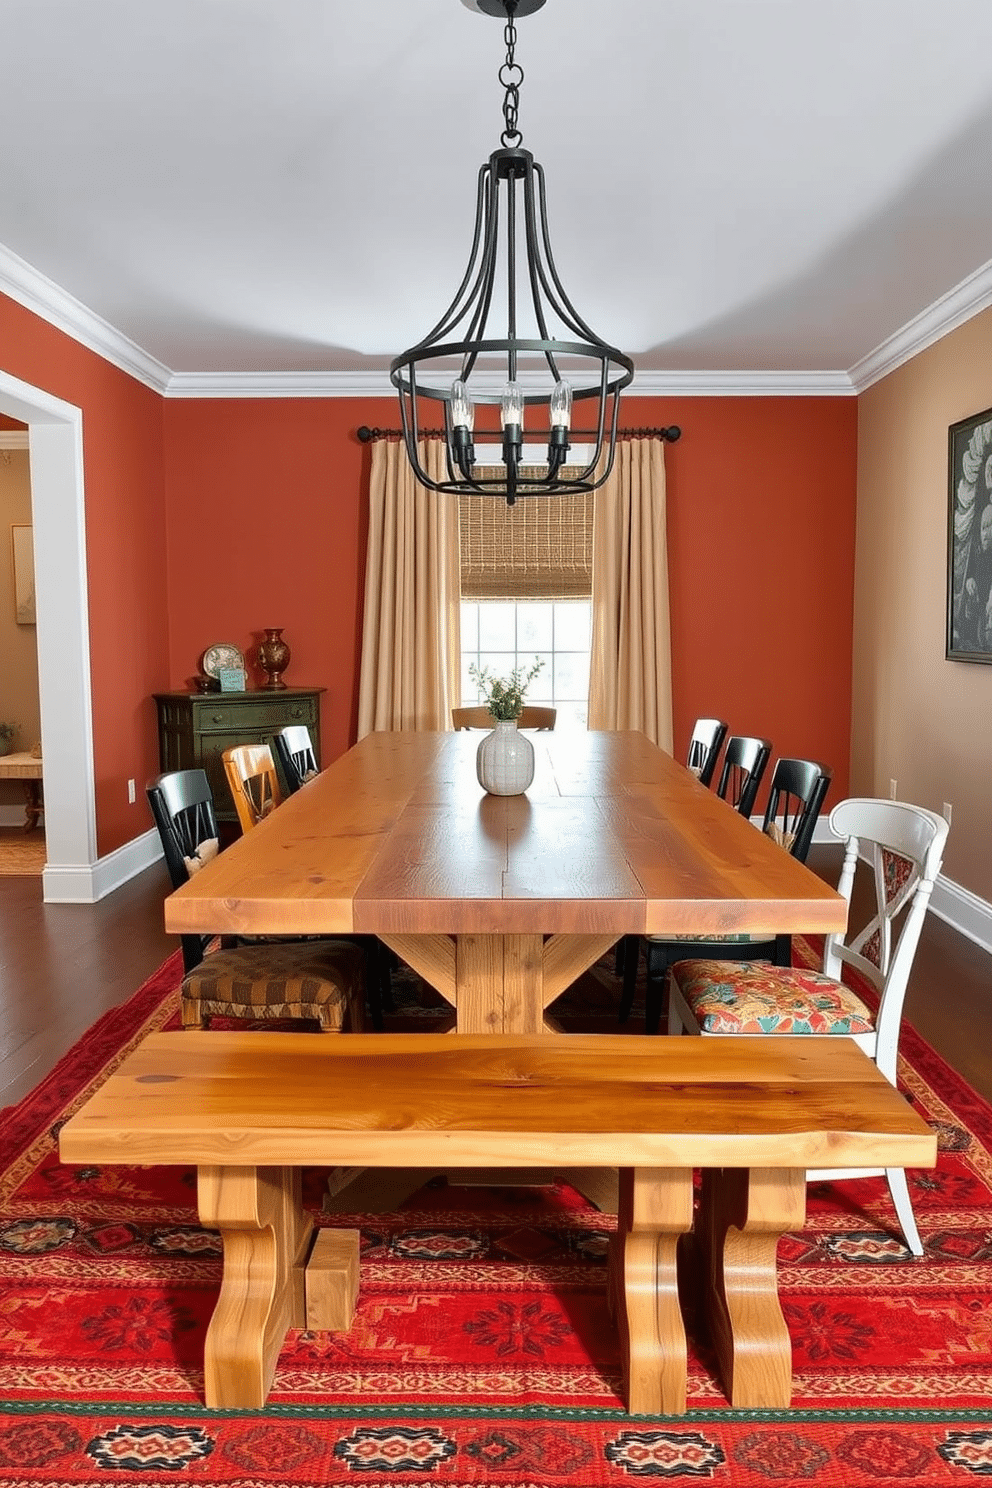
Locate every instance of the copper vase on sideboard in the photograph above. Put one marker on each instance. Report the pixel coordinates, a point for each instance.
(273, 657)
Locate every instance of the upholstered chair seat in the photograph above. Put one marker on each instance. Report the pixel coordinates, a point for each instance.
(754, 997)
(322, 979)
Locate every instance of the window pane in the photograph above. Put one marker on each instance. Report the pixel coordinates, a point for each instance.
(572, 626)
(497, 626)
(534, 625)
(470, 626)
(571, 716)
(468, 686)
(500, 663)
(571, 676)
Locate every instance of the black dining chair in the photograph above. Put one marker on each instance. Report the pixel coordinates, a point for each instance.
(796, 795)
(744, 765)
(297, 760)
(259, 979)
(295, 756)
(707, 737)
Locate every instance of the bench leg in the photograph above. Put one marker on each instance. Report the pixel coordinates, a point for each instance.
(266, 1235)
(655, 1208)
(741, 1217)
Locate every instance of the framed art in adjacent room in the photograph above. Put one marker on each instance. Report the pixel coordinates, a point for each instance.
(22, 547)
(969, 539)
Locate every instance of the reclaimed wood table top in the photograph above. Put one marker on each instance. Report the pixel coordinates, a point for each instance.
(397, 838)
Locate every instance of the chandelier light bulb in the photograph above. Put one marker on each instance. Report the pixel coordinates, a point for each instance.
(462, 408)
(512, 406)
(560, 411)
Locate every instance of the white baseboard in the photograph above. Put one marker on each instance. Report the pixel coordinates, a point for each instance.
(86, 883)
(963, 910)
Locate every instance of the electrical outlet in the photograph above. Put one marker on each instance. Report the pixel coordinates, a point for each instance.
(893, 792)
(131, 793)
(948, 808)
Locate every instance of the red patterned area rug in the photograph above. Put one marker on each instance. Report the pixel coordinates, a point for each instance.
(482, 1352)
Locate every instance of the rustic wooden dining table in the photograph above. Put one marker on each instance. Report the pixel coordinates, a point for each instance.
(501, 902)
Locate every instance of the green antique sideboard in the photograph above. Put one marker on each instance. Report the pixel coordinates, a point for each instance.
(194, 729)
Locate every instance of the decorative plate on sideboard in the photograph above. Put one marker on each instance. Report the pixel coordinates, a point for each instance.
(220, 656)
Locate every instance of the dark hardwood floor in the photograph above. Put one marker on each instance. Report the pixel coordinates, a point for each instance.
(61, 966)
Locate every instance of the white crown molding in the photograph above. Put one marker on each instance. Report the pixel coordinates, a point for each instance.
(958, 305)
(43, 297)
(280, 385)
(378, 385)
(13, 439)
(829, 384)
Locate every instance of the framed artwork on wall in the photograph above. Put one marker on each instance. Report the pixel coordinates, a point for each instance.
(969, 539)
(22, 548)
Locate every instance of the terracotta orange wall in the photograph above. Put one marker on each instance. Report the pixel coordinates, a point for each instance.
(125, 545)
(762, 496)
(266, 525)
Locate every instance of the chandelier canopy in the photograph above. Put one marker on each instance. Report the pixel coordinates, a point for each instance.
(511, 336)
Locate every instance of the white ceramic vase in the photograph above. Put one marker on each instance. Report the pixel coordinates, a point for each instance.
(504, 761)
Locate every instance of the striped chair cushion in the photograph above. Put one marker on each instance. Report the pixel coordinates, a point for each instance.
(739, 939)
(320, 979)
(753, 997)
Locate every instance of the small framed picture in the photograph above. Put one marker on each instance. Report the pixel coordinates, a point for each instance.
(969, 539)
(22, 542)
(231, 679)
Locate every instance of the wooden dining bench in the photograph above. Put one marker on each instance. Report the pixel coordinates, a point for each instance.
(251, 1109)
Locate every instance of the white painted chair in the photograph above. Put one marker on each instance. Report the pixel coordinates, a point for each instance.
(904, 845)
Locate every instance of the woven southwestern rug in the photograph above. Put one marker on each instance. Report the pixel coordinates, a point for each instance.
(482, 1352)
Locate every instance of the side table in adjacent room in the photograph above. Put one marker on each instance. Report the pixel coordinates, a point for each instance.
(27, 768)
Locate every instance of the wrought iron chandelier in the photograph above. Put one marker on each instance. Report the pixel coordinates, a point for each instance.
(534, 377)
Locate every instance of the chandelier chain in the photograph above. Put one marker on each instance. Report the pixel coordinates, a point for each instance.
(511, 75)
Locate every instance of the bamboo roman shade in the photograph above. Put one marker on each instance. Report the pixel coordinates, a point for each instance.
(541, 548)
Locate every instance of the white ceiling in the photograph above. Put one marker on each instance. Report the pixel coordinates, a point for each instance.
(287, 186)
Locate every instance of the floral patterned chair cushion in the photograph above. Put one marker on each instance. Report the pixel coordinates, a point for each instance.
(753, 997)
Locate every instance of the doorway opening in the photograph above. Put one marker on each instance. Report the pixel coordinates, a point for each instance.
(55, 434)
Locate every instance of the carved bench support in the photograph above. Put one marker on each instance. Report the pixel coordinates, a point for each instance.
(655, 1208)
(268, 1286)
(743, 1213)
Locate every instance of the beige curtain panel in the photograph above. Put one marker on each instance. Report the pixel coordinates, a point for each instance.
(630, 683)
(411, 639)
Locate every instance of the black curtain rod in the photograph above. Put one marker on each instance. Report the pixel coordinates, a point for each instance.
(669, 435)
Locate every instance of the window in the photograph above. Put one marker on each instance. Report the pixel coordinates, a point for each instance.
(526, 577)
(503, 634)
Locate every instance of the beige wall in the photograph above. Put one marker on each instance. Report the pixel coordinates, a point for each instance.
(917, 718)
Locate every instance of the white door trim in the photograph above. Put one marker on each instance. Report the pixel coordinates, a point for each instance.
(59, 519)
